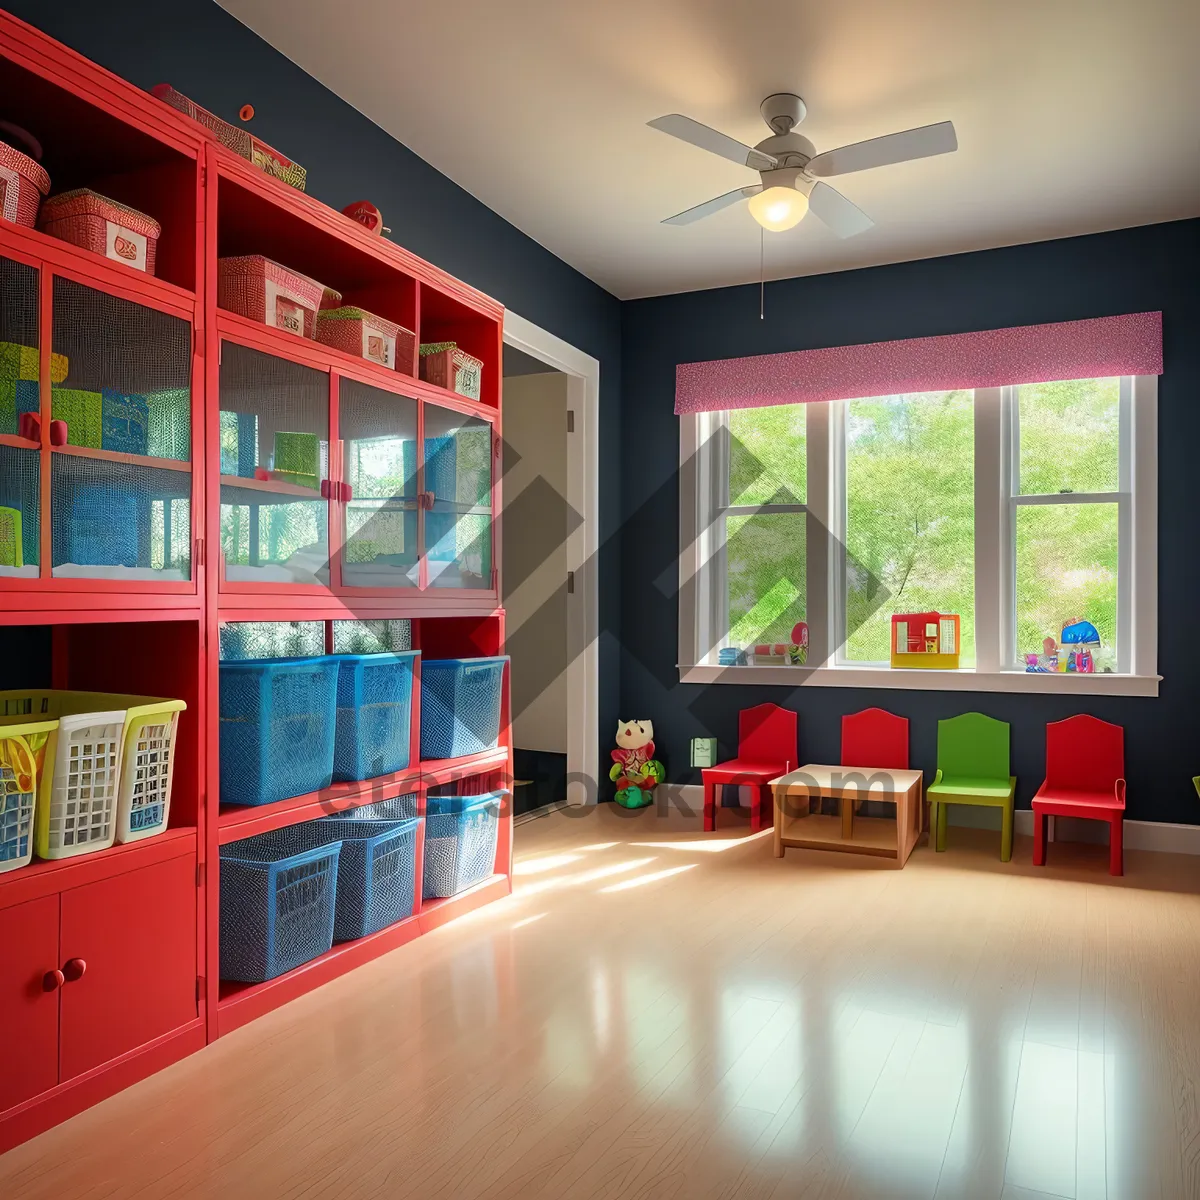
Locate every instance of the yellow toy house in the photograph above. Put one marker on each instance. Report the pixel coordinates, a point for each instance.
(928, 639)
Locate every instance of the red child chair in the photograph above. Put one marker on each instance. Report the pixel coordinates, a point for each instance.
(1085, 777)
(766, 749)
(875, 739)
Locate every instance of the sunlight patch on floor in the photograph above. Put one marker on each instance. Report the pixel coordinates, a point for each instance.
(580, 878)
(642, 880)
(529, 920)
(551, 862)
(709, 846)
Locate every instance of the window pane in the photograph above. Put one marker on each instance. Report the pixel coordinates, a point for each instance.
(767, 455)
(910, 509)
(765, 568)
(1069, 436)
(1066, 572)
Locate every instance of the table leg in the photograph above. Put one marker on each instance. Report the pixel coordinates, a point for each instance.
(846, 807)
(778, 818)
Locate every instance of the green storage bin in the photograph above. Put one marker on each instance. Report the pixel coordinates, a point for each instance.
(169, 433)
(83, 413)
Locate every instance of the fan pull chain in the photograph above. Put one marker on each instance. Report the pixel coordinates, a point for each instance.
(762, 275)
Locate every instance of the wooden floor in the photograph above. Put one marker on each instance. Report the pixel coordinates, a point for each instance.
(659, 1013)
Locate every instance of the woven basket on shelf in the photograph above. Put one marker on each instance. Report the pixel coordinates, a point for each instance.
(23, 183)
(358, 332)
(243, 143)
(445, 365)
(85, 218)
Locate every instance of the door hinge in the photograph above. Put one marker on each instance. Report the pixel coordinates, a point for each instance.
(570, 583)
(570, 420)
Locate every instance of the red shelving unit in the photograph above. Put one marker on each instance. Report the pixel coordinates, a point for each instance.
(423, 550)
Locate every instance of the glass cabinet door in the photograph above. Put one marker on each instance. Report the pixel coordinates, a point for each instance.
(20, 459)
(378, 431)
(458, 508)
(274, 448)
(121, 478)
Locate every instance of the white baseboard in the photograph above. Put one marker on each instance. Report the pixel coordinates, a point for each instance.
(1161, 836)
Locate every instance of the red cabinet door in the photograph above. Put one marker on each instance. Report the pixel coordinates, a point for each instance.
(28, 1012)
(136, 936)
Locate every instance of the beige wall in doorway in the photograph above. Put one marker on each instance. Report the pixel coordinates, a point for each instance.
(535, 432)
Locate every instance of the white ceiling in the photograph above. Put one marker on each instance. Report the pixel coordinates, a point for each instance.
(1072, 116)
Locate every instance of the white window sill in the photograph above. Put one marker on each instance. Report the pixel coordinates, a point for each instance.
(1060, 684)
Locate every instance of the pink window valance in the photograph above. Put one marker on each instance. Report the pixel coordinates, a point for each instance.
(1093, 349)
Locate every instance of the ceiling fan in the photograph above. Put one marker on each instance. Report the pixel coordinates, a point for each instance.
(791, 169)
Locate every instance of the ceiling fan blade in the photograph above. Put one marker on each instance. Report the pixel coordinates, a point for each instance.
(695, 134)
(843, 217)
(715, 205)
(882, 151)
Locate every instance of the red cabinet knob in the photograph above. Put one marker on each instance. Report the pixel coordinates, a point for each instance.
(52, 981)
(73, 969)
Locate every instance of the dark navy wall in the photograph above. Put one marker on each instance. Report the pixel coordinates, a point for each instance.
(221, 64)
(1128, 271)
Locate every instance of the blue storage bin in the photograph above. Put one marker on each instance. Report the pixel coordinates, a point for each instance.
(277, 726)
(277, 904)
(124, 422)
(398, 808)
(103, 526)
(441, 535)
(376, 873)
(441, 467)
(460, 705)
(460, 842)
(374, 714)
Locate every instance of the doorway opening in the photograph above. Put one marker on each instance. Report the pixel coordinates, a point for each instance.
(548, 580)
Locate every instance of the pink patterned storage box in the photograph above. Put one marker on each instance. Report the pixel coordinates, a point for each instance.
(240, 141)
(23, 183)
(85, 218)
(445, 365)
(264, 291)
(365, 335)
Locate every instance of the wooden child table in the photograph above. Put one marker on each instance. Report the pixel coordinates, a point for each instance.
(795, 825)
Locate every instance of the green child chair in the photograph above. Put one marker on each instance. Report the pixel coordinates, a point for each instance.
(972, 768)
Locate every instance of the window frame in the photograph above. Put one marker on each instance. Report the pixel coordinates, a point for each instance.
(703, 510)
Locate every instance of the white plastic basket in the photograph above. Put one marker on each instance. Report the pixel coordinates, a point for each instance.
(77, 805)
(147, 765)
(85, 802)
(21, 749)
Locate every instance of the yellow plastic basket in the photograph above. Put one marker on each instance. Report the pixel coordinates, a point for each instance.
(22, 751)
(96, 737)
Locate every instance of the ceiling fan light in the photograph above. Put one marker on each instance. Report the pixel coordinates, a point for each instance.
(779, 208)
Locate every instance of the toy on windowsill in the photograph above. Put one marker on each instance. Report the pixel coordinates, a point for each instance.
(635, 770)
(1081, 641)
(731, 656)
(798, 650)
(771, 654)
(1080, 646)
(931, 640)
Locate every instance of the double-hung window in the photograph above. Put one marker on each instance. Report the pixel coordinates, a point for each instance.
(1024, 510)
